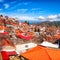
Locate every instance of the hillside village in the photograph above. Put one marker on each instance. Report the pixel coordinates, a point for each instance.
(13, 32)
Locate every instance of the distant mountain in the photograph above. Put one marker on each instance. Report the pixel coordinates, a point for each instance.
(38, 22)
(56, 23)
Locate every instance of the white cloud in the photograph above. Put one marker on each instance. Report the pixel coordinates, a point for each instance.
(58, 16)
(1, 0)
(25, 17)
(52, 17)
(24, 3)
(22, 10)
(6, 6)
(41, 18)
(0, 9)
(35, 9)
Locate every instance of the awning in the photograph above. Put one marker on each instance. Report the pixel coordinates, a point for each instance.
(42, 53)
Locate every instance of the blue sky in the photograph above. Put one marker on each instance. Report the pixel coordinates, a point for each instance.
(31, 9)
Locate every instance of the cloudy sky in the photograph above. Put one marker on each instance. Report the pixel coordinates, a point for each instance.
(31, 9)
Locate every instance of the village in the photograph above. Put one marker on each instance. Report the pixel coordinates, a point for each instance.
(18, 37)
